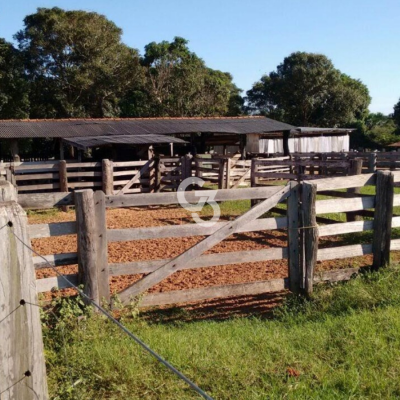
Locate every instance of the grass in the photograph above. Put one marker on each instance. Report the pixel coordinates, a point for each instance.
(342, 344)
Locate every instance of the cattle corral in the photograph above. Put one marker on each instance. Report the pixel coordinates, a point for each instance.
(143, 249)
(146, 231)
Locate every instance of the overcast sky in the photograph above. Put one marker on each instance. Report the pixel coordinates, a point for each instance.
(250, 38)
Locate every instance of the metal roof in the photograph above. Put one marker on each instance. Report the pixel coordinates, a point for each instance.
(67, 128)
(97, 141)
(316, 130)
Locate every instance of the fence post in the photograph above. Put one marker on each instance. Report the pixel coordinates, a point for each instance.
(22, 365)
(309, 233)
(221, 173)
(253, 179)
(101, 246)
(372, 163)
(86, 237)
(228, 173)
(63, 179)
(10, 176)
(293, 223)
(355, 168)
(157, 172)
(383, 219)
(107, 177)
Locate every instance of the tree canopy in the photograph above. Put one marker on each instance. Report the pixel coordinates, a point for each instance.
(14, 102)
(307, 90)
(76, 63)
(177, 83)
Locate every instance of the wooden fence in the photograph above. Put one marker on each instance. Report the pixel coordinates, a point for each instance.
(166, 173)
(300, 223)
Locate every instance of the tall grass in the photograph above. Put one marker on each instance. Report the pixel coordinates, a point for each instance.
(344, 343)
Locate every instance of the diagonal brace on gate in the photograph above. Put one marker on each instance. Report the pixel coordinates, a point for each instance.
(136, 178)
(206, 244)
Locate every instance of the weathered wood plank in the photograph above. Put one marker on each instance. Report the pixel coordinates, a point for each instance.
(190, 295)
(335, 205)
(383, 219)
(86, 237)
(56, 282)
(101, 246)
(30, 177)
(108, 176)
(44, 186)
(55, 260)
(53, 229)
(293, 224)
(192, 197)
(310, 234)
(354, 250)
(45, 200)
(123, 235)
(206, 260)
(119, 164)
(73, 185)
(21, 343)
(82, 174)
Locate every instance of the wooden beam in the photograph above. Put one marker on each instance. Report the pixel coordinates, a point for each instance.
(383, 219)
(293, 223)
(22, 363)
(310, 233)
(86, 237)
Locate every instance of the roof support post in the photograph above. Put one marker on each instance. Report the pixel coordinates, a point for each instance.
(286, 151)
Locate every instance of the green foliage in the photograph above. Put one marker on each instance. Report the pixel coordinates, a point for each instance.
(375, 131)
(307, 90)
(396, 114)
(76, 63)
(343, 343)
(177, 83)
(14, 101)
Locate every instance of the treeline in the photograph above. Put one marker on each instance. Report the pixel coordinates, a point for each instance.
(73, 64)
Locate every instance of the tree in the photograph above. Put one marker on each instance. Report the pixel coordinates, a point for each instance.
(375, 131)
(177, 83)
(396, 114)
(76, 63)
(14, 101)
(307, 90)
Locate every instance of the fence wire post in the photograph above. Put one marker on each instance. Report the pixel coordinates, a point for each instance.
(107, 176)
(293, 223)
(383, 219)
(86, 237)
(22, 365)
(309, 234)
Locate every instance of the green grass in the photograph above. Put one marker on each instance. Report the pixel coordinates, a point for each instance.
(342, 344)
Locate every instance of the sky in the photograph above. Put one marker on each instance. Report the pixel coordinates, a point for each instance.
(250, 38)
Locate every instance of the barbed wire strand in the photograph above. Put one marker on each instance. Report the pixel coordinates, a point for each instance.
(121, 326)
(14, 384)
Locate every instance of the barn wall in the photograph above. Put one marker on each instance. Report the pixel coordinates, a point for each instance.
(306, 144)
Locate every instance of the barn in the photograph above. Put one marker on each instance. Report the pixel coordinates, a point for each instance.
(121, 138)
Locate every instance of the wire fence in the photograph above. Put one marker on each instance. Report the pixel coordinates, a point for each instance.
(97, 306)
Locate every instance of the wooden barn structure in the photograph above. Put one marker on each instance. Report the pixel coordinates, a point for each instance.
(130, 138)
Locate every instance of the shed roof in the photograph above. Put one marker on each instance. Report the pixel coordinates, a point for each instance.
(97, 141)
(316, 130)
(67, 128)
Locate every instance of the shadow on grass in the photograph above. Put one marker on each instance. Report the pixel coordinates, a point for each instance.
(261, 305)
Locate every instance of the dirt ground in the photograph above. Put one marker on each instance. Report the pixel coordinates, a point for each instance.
(171, 247)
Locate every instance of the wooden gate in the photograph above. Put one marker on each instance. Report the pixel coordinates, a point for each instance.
(280, 194)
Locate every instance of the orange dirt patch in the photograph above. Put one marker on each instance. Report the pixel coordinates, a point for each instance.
(154, 249)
